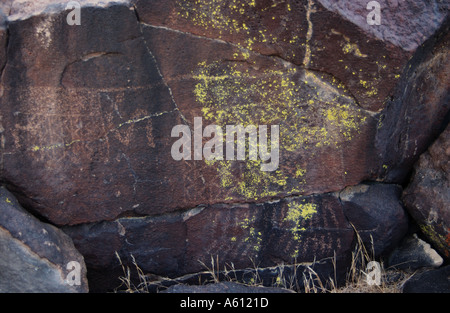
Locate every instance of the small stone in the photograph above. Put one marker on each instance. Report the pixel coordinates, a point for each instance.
(414, 253)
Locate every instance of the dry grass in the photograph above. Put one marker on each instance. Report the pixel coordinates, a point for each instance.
(391, 281)
(127, 285)
(357, 280)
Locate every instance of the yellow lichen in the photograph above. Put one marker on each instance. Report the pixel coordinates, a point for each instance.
(231, 17)
(299, 211)
(254, 238)
(348, 46)
(230, 95)
(54, 146)
(300, 172)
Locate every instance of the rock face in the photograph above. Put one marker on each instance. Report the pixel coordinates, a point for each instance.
(414, 253)
(95, 112)
(427, 196)
(419, 110)
(377, 214)
(293, 229)
(36, 257)
(433, 281)
(419, 19)
(175, 244)
(87, 113)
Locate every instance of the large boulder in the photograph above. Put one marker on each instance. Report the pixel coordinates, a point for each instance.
(95, 112)
(414, 253)
(89, 111)
(419, 110)
(427, 197)
(377, 214)
(287, 231)
(35, 256)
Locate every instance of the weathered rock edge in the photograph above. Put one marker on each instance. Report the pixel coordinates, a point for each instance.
(293, 230)
(35, 257)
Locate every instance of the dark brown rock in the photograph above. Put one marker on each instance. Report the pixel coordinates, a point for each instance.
(36, 257)
(222, 82)
(89, 112)
(287, 231)
(105, 139)
(300, 229)
(96, 101)
(90, 120)
(420, 108)
(366, 59)
(427, 197)
(414, 253)
(376, 212)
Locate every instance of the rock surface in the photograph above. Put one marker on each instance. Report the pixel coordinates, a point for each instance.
(288, 231)
(414, 253)
(377, 214)
(86, 114)
(268, 234)
(95, 112)
(427, 197)
(35, 257)
(432, 281)
(419, 19)
(419, 110)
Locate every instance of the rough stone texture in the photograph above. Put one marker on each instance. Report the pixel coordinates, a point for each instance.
(299, 229)
(420, 108)
(245, 234)
(398, 19)
(303, 32)
(225, 287)
(414, 253)
(427, 197)
(34, 255)
(433, 281)
(96, 103)
(377, 214)
(95, 112)
(3, 43)
(288, 276)
(22, 9)
(89, 111)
